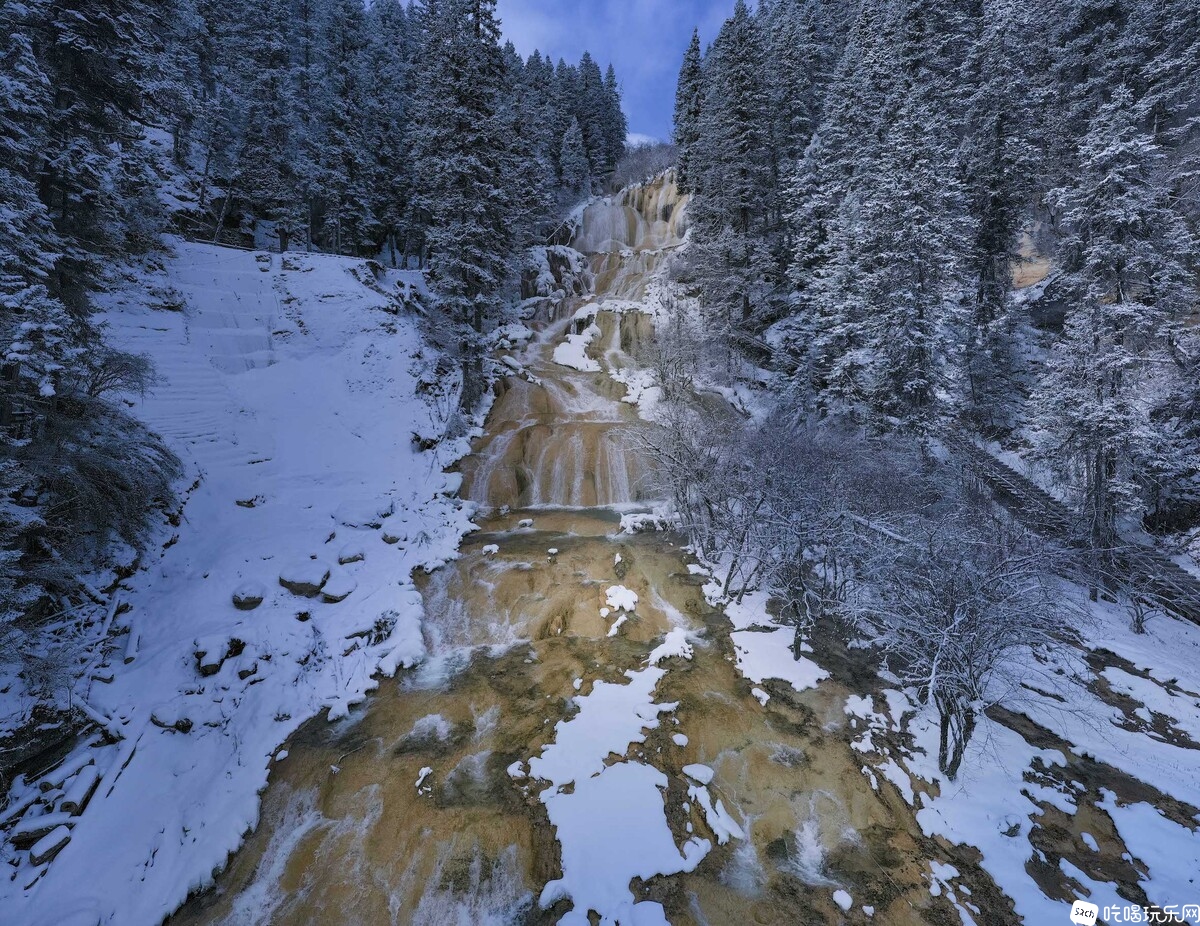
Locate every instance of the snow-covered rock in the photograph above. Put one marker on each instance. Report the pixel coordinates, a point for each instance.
(572, 352)
(305, 577)
(362, 513)
(352, 552)
(340, 586)
(249, 595)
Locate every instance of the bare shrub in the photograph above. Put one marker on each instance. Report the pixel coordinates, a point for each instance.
(958, 607)
(642, 162)
(875, 533)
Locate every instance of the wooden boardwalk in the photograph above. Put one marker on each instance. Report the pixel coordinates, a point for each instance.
(1144, 571)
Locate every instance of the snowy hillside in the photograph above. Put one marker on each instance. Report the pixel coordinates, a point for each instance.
(291, 390)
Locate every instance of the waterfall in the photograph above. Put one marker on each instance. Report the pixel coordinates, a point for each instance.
(563, 447)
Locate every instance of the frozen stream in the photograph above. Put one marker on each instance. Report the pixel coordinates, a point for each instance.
(580, 740)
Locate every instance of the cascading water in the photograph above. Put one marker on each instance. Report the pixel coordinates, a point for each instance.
(426, 808)
(562, 443)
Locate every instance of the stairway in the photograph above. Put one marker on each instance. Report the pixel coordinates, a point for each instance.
(1153, 576)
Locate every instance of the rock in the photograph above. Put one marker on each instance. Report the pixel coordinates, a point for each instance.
(525, 523)
(49, 845)
(491, 549)
(178, 724)
(338, 588)
(305, 578)
(208, 663)
(394, 535)
(249, 595)
(363, 514)
(351, 553)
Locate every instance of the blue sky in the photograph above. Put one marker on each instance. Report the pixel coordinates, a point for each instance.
(644, 39)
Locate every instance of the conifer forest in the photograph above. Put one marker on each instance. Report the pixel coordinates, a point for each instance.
(628, 462)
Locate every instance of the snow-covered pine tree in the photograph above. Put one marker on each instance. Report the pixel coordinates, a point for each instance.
(387, 87)
(349, 226)
(529, 173)
(564, 105)
(797, 64)
(592, 112)
(616, 127)
(734, 162)
(39, 340)
(998, 164)
(100, 57)
(460, 166)
(576, 174)
(732, 175)
(536, 102)
(689, 96)
(1123, 272)
(267, 163)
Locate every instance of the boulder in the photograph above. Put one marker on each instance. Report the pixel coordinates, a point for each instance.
(352, 552)
(305, 577)
(249, 595)
(338, 588)
(363, 513)
(209, 663)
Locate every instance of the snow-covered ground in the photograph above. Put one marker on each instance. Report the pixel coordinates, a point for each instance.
(1007, 784)
(291, 392)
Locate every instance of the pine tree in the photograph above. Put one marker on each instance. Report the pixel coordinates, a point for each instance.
(576, 175)
(100, 57)
(616, 128)
(461, 182)
(592, 113)
(528, 172)
(1123, 271)
(730, 170)
(797, 65)
(733, 164)
(350, 225)
(267, 174)
(689, 96)
(998, 164)
(388, 68)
